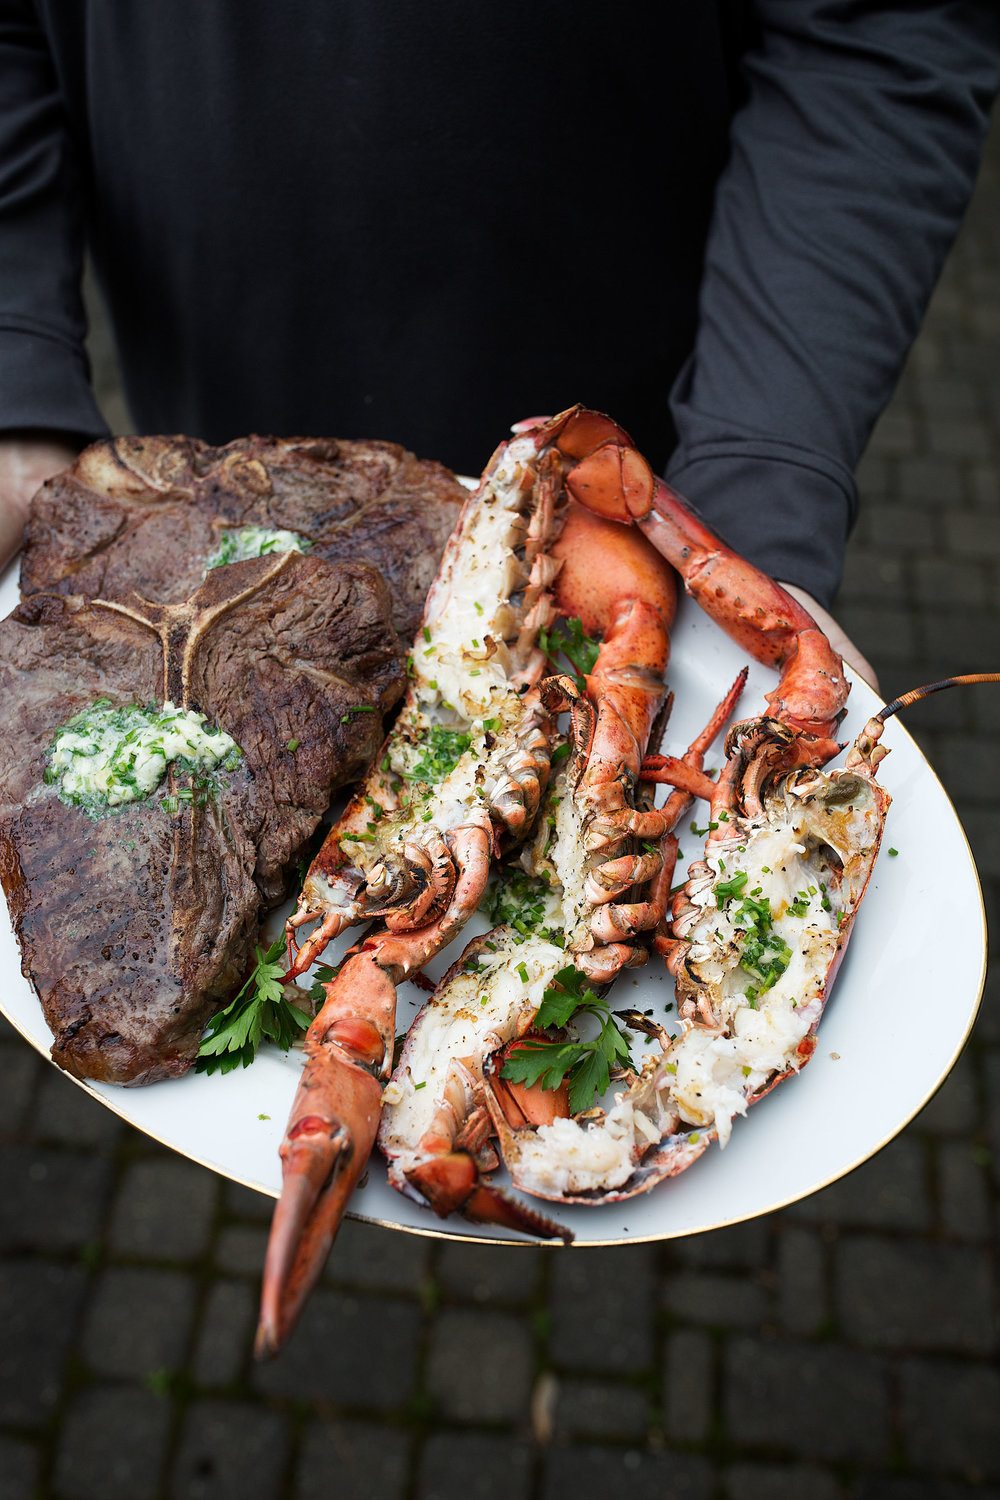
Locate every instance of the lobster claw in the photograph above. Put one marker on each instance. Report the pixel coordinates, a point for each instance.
(614, 481)
(322, 1159)
(330, 1134)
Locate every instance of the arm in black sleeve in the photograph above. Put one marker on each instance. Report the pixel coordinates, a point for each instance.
(851, 166)
(44, 375)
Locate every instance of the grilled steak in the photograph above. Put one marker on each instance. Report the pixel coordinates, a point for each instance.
(136, 924)
(146, 513)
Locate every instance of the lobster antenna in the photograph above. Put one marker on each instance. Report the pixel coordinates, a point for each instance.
(915, 694)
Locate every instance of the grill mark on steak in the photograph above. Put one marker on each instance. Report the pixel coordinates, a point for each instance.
(135, 927)
(144, 514)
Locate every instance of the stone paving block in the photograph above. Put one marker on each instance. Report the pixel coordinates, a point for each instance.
(243, 1203)
(890, 1487)
(601, 1409)
(9, 1033)
(947, 394)
(991, 1074)
(352, 1459)
(163, 1210)
(967, 766)
(112, 1445)
(53, 1200)
(887, 1192)
(944, 581)
(687, 1385)
(138, 1322)
(803, 1301)
(951, 1417)
(489, 1273)
(876, 473)
(356, 1351)
(740, 1246)
(480, 1365)
(603, 1308)
(230, 1451)
(988, 1021)
(930, 481)
(971, 638)
(905, 1293)
(895, 432)
(872, 575)
(592, 1473)
(241, 1248)
(367, 1255)
(39, 1307)
(982, 826)
(780, 1482)
(963, 1192)
(953, 1110)
(19, 1465)
(723, 1301)
(958, 437)
(474, 1466)
(816, 1400)
(984, 487)
(972, 532)
(887, 633)
(66, 1113)
(224, 1333)
(19, 1068)
(900, 527)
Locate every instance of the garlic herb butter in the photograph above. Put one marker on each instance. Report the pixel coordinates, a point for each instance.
(106, 756)
(243, 542)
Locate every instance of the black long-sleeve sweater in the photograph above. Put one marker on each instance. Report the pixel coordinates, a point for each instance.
(425, 221)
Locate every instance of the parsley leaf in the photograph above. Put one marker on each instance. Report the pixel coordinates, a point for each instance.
(258, 1011)
(579, 649)
(587, 1064)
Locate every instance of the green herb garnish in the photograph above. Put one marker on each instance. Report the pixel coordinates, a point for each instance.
(442, 750)
(578, 648)
(587, 1065)
(259, 1010)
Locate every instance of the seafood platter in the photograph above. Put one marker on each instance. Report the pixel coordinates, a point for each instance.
(573, 922)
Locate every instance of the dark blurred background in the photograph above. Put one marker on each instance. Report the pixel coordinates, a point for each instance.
(845, 1347)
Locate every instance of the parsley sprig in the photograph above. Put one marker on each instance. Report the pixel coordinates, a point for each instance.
(587, 1064)
(259, 1010)
(578, 648)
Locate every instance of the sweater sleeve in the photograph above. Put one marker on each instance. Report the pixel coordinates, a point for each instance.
(44, 372)
(851, 165)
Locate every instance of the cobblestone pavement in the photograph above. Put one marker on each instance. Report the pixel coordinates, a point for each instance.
(842, 1348)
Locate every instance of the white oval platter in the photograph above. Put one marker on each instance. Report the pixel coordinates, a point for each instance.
(902, 1007)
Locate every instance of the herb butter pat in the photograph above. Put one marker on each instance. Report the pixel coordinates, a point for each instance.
(255, 541)
(106, 756)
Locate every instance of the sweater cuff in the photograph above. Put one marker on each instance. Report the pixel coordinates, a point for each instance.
(46, 386)
(787, 511)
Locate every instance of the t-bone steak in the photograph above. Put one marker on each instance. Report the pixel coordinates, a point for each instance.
(146, 513)
(137, 924)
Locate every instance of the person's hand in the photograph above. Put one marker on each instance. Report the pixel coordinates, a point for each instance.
(838, 640)
(27, 459)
